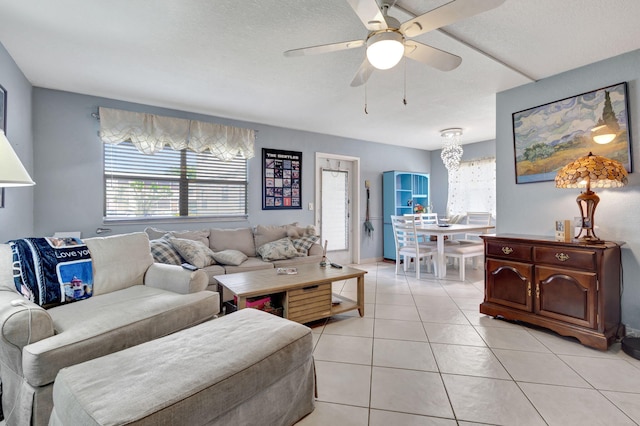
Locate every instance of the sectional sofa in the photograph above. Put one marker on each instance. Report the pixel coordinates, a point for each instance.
(133, 301)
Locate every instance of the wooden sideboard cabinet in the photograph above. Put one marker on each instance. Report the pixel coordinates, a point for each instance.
(569, 287)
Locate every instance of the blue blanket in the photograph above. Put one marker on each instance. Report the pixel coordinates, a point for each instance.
(52, 271)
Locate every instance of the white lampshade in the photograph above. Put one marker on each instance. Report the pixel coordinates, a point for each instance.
(12, 172)
(384, 50)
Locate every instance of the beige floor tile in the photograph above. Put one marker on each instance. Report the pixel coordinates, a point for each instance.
(629, 403)
(510, 338)
(442, 315)
(395, 299)
(369, 308)
(433, 302)
(468, 361)
(536, 367)
(476, 318)
(455, 334)
(468, 303)
(428, 289)
(396, 288)
(399, 330)
(562, 345)
(341, 383)
(606, 374)
(408, 391)
(404, 313)
(403, 354)
(566, 406)
(388, 418)
(349, 326)
(493, 401)
(336, 414)
(349, 349)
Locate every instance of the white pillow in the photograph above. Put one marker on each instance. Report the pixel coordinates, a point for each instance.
(278, 250)
(230, 257)
(194, 252)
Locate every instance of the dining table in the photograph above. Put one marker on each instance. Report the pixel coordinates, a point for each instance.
(440, 231)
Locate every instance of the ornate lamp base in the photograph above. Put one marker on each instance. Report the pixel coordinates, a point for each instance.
(587, 202)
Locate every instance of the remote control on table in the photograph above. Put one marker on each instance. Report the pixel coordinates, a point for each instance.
(335, 265)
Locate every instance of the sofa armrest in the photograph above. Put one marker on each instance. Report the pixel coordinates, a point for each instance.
(175, 278)
(25, 323)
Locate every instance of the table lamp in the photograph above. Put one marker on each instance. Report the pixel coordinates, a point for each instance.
(12, 172)
(587, 172)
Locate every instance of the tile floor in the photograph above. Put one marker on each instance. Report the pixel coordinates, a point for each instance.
(424, 355)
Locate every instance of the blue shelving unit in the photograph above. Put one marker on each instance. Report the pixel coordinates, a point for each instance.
(401, 191)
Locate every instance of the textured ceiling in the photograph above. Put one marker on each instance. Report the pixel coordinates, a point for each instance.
(224, 58)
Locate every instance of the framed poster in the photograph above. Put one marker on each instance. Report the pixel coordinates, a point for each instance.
(281, 179)
(550, 136)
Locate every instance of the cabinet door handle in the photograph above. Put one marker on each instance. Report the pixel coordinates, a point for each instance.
(529, 288)
(537, 290)
(507, 250)
(562, 257)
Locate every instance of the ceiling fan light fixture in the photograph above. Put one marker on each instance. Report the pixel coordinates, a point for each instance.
(385, 49)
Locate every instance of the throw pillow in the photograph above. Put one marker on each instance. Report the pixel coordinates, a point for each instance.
(155, 233)
(277, 250)
(303, 244)
(163, 252)
(298, 231)
(265, 234)
(194, 252)
(230, 257)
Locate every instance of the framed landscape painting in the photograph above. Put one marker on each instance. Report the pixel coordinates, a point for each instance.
(549, 136)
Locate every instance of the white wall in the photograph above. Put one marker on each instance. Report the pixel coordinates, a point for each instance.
(68, 160)
(532, 208)
(16, 219)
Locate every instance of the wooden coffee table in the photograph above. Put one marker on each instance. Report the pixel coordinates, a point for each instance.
(306, 296)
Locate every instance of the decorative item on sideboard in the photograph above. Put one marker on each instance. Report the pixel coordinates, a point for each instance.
(586, 172)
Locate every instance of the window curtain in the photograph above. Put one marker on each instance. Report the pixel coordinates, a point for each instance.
(473, 187)
(150, 133)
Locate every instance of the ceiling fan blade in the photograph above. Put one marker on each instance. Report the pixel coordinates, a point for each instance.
(431, 56)
(446, 14)
(325, 48)
(369, 13)
(363, 74)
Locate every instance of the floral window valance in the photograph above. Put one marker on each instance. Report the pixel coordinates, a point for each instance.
(150, 133)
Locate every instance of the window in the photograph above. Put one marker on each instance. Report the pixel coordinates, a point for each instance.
(171, 184)
(473, 187)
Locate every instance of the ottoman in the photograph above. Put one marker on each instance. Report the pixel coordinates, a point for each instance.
(245, 368)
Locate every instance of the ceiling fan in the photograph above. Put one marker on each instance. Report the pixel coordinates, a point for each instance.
(389, 40)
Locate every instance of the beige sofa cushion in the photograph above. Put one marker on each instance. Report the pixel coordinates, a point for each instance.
(240, 239)
(111, 322)
(251, 264)
(119, 261)
(265, 234)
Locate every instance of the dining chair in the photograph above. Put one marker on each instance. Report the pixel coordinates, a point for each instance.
(462, 252)
(407, 244)
(475, 218)
(425, 219)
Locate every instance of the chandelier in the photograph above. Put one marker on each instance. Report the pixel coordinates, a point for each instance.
(451, 151)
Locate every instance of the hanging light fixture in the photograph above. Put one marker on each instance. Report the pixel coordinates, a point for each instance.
(603, 134)
(385, 49)
(451, 151)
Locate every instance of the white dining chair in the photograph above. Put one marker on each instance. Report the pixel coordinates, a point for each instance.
(462, 252)
(425, 219)
(407, 244)
(475, 218)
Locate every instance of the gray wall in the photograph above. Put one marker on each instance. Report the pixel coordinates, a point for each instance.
(68, 160)
(440, 178)
(532, 208)
(16, 219)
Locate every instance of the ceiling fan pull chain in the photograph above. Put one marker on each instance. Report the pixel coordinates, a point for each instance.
(365, 98)
(404, 96)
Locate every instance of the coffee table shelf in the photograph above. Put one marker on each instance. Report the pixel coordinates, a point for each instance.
(308, 296)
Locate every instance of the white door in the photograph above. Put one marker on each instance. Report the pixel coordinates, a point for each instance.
(338, 207)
